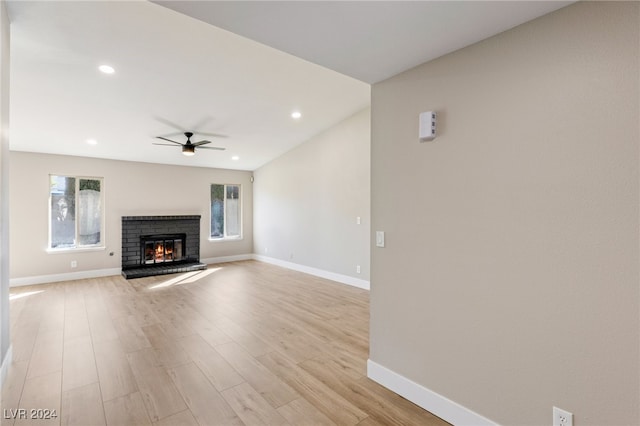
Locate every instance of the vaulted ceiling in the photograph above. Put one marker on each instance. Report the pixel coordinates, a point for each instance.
(231, 72)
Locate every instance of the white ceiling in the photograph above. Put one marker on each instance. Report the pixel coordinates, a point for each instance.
(176, 73)
(367, 40)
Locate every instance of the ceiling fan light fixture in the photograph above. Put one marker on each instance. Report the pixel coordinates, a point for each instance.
(188, 150)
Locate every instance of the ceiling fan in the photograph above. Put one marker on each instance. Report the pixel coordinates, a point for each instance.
(189, 148)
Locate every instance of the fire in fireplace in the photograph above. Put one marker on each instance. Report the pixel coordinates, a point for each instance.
(162, 249)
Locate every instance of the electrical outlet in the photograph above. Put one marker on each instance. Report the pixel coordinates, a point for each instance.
(74, 263)
(358, 220)
(357, 269)
(562, 417)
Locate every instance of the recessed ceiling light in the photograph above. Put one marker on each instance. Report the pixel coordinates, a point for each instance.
(235, 158)
(296, 114)
(106, 69)
(92, 141)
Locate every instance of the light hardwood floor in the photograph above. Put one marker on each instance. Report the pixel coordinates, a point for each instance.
(240, 343)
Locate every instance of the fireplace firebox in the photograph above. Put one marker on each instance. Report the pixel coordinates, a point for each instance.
(158, 245)
(163, 249)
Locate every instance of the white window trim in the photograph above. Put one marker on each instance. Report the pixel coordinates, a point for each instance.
(241, 198)
(95, 247)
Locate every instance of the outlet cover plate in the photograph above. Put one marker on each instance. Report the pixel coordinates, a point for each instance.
(562, 417)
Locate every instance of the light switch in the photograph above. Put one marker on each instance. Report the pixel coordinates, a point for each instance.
(380, 238)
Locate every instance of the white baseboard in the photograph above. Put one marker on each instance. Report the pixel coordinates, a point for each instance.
(224, 259)
(344, 279)
(44, 279)
(6, 362)
(96, 273)
(431, 401)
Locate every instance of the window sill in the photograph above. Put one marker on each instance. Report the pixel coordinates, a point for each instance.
(74, 249)
(225, 240)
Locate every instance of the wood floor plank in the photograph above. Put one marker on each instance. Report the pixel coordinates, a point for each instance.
(183, 418)
(301, 411)
(23, 343)
(142, 311)
(370, 421)
(158, 392)
(82, 407)
(42, 392)
(219, 372)
(289, 339)
(270, 386)
(175, 328)
(78, 363)
(252, 343)
(114, 372)
(252, 408)
(358, 392)
(47, 353)
(398, 404)
(76, 323)
(205, 403)
(156, 336)
(126, 410)
(12, 389)
(212, 334)
(344, 361)
(171, 356)
(100, 324)
(322, 396)
(131, 335)
(52, 315)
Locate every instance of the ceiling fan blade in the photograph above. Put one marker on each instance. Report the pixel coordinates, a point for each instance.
(212, 147)
(213, 135)
(168, 140)
(203, 122)
(170, 124)
(200, 143)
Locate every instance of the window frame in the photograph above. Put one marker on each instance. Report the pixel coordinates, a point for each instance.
(101, 245)
(225, 237)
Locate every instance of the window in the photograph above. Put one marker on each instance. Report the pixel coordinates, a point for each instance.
(226, 216)
(75, 212)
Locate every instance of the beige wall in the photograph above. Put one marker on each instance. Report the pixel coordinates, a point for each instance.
(510, 282)
(306, 202)
(131, 189)
(4, 183)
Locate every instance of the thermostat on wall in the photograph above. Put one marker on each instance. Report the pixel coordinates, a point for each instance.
(427, 131)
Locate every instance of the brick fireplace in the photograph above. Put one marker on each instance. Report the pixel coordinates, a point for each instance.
(158, 245)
